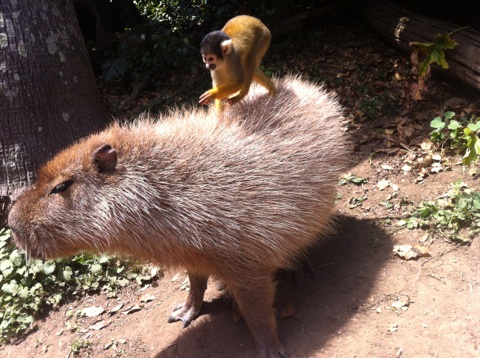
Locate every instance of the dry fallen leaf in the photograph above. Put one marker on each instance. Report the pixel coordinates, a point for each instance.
(406, 168)
(99, 325)
(154, 271)
(408, 252)
(116, 308)
(382, 184)
(436, 168)
(132, 309)
(91, 311)
(401, 304)
(393, 327)
(426, 145)
(147, 298)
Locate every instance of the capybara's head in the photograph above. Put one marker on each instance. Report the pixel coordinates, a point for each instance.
(59, 214)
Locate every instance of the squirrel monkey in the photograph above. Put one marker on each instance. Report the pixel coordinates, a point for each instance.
(233, 56)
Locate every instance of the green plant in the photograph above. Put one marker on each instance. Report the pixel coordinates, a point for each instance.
(27, 287)
(423, 56)
(78, 345)
(434, 52)
(459, 135)
(356, 201)
(351, 178)
(149, 50)
(458, 209)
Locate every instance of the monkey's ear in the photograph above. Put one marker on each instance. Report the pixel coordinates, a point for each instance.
(227, 47)
(104, 159)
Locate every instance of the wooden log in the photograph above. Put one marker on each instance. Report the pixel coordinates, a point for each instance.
(400, 27)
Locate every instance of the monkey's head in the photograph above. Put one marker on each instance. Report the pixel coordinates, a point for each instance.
(215, 45)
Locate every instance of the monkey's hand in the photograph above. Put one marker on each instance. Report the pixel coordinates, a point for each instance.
(208, 96)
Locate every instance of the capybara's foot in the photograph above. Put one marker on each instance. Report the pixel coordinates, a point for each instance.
(189, 310)
(185, 313)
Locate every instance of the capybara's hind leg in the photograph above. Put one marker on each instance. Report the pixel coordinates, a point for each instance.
(256, 305)
(189, 310)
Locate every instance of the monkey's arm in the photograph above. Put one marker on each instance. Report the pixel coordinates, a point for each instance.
(220, 92)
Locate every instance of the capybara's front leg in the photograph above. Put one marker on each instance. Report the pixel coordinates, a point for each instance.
(189, 310)
(256, 305)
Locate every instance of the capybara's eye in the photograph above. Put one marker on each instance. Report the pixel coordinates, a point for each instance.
(60, 188)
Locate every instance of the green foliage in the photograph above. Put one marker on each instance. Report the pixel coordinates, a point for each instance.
(356, 201)
(456, 210)
(149, 50)
(422, 58)
(27, 288)
(180, 14)
(351, 178)
(77, 345)
(434, 52)
(459, 135)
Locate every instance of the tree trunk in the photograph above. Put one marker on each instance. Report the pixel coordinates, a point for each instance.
(400, 27)
(48, 94)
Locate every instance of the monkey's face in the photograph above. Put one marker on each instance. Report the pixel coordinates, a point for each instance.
(211, 61)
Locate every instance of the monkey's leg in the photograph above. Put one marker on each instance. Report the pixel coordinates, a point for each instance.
(242, 93)
(264, 80)
(255, 301)
(189, 310)
(248, 66)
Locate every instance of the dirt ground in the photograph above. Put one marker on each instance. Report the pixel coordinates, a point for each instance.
(363, 300)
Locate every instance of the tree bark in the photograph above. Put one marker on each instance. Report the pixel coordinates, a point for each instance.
(400, 27)
(48, 94)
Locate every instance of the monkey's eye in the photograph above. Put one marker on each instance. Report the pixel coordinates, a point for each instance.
(60, 188)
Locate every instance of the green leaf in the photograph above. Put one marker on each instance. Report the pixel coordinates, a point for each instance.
(96, 268)
(473, 147)
(6, 266)
(25, 319)
(23, 292)
(454, 125)
(474, 127)
(351, 178)
(103, 259)
(437, 123)
(49, 267)
(16, 258)
(67, 273)
(449, 115)
(10, 288)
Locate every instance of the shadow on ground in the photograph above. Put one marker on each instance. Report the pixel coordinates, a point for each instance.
(345, 267)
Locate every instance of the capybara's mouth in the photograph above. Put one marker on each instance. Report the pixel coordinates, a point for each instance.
(30, 252)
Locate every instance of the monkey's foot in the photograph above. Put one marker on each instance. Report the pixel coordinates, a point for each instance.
(185, 313)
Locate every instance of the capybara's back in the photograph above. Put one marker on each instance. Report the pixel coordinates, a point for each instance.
(237, 197)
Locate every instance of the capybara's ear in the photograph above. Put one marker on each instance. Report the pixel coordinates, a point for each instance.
(104, 159)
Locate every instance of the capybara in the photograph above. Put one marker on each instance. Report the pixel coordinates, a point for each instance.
(237, 196)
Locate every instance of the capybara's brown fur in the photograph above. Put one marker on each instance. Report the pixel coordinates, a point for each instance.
(237, 197)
